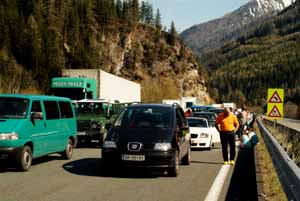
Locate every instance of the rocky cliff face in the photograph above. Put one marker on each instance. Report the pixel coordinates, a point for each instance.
(164, 71)
(213, 34)
(44, 36)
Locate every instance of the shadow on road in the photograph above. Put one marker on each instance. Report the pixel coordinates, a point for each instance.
(10, 165)
(243, 186)
(207, 162)
(94, 167)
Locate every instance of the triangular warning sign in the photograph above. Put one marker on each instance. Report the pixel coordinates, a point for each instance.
(274, 112)
(275, 98)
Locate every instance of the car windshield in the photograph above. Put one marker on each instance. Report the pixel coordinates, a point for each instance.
(91, 108)
(197, 123)
(13, 108)
(145, 117)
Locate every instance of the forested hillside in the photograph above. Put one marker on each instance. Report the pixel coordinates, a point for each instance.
(40, 37)
(269, 57)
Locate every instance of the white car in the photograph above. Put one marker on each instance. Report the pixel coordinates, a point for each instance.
(201, 133)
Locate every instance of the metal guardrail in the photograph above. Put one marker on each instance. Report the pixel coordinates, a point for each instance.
(287, 170)
(283, 128)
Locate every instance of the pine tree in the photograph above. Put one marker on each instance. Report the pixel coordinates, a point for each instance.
(149, 14)
(157, 20)
(172, 34)
(119, 8)
(135, 10)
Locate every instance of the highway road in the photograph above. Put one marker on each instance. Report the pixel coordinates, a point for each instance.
(81, 179)
(291, 123)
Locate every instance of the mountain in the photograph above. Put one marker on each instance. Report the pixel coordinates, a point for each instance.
(215, 33)
(38, 38)
(268, 57)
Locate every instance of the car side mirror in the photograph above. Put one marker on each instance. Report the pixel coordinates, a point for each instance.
(36, 115)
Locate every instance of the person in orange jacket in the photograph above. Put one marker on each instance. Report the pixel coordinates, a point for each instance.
(227, 124)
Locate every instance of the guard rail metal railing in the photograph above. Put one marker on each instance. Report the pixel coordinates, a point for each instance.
(287, 170)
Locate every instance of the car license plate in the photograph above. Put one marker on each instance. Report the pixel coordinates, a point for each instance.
(126, 157)
(81, 133)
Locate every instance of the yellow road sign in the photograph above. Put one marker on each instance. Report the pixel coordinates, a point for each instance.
(275, 103)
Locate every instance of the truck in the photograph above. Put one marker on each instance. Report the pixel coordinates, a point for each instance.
(78, 84)
(98, 97)
(184, 102)
(93, 116)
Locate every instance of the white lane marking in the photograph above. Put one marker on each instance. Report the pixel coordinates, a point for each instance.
(216, 188)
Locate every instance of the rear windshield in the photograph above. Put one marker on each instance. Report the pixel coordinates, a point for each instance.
(197, 123)
(144, 117)
(13, 108)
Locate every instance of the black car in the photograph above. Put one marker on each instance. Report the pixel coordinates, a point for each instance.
(148, 135)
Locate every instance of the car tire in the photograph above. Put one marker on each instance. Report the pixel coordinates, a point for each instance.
(102, 138)
(174, 170)
(25, 159)
(186, 160)
(68, 152)
(210, 144)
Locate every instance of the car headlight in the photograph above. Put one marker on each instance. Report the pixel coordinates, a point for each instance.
(95, 125)
(204, 135)
(162, 146)
(9, 136)
(110, 144)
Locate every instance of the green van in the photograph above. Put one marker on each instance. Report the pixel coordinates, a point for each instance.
(32, 126)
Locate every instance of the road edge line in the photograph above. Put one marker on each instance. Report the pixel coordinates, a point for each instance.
(216, 188)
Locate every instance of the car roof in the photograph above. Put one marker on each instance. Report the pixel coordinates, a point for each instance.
(34, 96)
(204, 112)
(92, 101)
(201, 118)
(152, 105)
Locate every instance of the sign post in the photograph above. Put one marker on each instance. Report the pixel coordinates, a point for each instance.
(275, 104)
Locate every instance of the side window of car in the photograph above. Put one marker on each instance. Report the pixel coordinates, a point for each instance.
(51, 109)
(181, 118)
(178, 120)
(36, 106)
(65, 109)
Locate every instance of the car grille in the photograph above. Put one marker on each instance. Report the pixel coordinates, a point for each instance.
(194, 135)
(83, 125)
(147, 146)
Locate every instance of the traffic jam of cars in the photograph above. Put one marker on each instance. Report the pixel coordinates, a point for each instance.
(152, 136)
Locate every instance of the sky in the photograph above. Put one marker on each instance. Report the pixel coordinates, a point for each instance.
(186, 13)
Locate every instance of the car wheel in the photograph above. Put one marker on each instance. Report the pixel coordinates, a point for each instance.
(174, 170)
(68, 152)
(102, 138)
(25, 159)
(210, 145)
(186, 160)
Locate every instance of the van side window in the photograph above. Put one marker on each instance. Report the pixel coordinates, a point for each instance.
(36, 106)
(51, 109)
(65, 109)
(182, 117)
(178, 119)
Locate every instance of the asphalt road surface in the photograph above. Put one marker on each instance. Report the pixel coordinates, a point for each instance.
(291, 123)
(53, 179)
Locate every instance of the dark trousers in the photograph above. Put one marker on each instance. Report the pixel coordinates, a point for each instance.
(228, 138)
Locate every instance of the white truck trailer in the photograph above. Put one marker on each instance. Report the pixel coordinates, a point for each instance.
(184, 102)
(108, 86)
